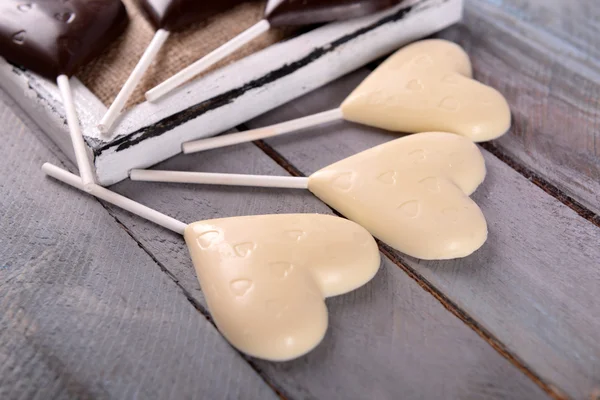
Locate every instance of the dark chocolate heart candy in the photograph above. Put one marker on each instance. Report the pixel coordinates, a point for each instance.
(55, 37)
(307, 12)
(175, 14)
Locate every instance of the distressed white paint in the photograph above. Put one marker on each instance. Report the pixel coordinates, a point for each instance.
(41, 99)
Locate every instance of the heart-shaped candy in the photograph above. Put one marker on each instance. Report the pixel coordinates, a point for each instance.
(412, 193)
(55, 37)
(427, 86)
(265, 277)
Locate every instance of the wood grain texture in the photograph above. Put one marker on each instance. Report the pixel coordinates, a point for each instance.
(84, 311)
(544, 56)
(387, 340)
(533, 285)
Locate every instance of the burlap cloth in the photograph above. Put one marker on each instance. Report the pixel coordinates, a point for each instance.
(105, 75)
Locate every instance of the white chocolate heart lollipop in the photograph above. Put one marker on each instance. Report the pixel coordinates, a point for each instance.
(426, 86)
(412, 193)
(265, 277)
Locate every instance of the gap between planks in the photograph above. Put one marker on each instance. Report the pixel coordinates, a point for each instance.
(203, 311)
(543, 184)
(448, 304)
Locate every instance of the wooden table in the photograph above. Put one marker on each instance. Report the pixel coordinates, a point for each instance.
(97, 303)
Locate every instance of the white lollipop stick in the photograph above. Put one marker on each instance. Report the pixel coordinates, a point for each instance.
(81, 156)
(261, 133)
(208, 60)
(290, 182)
(116, 199)
(160, 37)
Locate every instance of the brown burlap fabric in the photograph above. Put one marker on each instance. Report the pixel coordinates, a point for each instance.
(105, 75)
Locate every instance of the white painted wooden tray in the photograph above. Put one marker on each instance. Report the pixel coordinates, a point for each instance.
(150, 133)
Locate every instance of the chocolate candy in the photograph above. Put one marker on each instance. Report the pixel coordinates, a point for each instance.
(307, 12)
(175, 14)
(55, 37)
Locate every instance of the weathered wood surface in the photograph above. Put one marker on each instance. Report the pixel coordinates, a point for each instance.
(387, 340)
(85, 313)
(533, 286)
(544, 56)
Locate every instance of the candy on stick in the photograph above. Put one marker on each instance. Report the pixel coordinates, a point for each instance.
(167, 16)
(54, 38)
(425, 86)
(277, 13)
(412, 192)
(265, 277)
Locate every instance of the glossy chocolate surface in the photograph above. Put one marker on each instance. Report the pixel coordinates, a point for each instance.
(175, 14)
(307, 12)
(55, 37)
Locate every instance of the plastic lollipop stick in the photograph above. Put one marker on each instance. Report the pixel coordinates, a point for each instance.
(207, 61)
(425, 86)
(262, 133)
(166, 16)
(290, 182)
(412, 193)
(277, 13)
(107, 121)
(209, 178)
(81, 156)
(265, 277)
